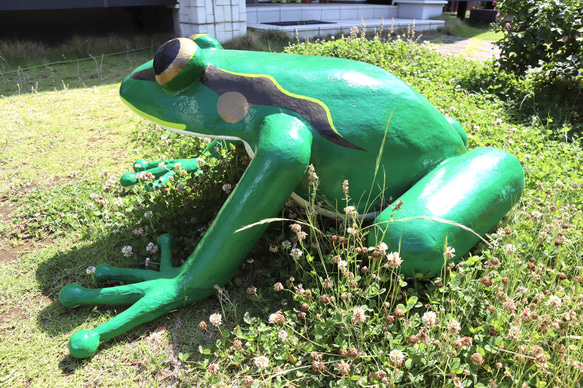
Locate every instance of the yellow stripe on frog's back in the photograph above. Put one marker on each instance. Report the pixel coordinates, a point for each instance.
(293, 95)
(263, 89)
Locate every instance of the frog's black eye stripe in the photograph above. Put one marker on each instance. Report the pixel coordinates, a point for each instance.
(171, 58)
(144, 75)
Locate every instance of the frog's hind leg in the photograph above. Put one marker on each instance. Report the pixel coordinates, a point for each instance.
(461, 198)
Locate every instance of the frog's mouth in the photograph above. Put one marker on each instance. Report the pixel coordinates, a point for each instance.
(181, 128)
(163, 123)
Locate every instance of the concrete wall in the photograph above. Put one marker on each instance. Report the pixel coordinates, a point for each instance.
(223, 19)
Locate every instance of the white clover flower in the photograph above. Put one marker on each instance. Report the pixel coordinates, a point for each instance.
(295, 227)
(262, 362)
(429, 319)
(213, 369)
(510, 249)
(514, 333)
(453, 327)
(351, 211)
(342, 367)
(394, 260)
(554, 301)
(151, 247)
(396, 357)
(282, 335)
(382, 247)
(277, 318)
(296, 253)
(278, 286)
(127, 251)
(216, 319)
(227, 188)
(358, 315)
(449, 253)
(148, 214)
(90, 270)
(286, 244)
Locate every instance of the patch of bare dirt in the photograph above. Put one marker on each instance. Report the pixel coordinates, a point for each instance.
(10, 318)
(9, 253)
(11, 249)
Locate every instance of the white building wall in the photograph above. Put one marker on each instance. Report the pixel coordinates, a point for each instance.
(223, 19)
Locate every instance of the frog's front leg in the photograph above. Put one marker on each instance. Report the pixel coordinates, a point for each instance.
(281, 159)
(165, 170)
(473, 190)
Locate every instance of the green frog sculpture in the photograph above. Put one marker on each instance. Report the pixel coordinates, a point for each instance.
(352, 121)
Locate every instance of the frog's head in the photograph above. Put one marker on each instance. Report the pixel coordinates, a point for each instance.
(168, 90)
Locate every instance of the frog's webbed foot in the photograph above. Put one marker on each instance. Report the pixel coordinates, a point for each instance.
(154, 294)
(149, 300)
(157, 174)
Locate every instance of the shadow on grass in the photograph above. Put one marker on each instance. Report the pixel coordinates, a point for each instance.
(180, 325)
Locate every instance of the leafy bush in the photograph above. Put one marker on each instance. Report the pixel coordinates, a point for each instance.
(543, 33)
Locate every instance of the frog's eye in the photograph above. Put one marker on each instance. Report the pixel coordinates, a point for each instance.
(205, 41)
(178, 63)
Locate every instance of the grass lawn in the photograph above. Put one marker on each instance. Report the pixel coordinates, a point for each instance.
(463, 29)
(507, 315)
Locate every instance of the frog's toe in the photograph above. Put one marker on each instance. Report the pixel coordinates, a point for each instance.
(161, 180)
(141, 165)
(128, 179)
(106, 272)
(73, 295)
(157, 174)
(84, 343)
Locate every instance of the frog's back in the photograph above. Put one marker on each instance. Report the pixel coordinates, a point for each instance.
(365, 104)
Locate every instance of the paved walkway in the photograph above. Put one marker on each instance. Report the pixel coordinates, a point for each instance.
(470, 48)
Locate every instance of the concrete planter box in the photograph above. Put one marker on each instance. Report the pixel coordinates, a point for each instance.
(420, 9)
